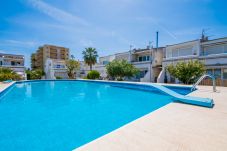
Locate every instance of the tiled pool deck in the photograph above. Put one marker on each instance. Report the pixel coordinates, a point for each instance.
(174, 127)
(4, 86)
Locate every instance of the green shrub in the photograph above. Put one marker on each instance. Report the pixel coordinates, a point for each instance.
(36, 74)
(58, 77)
(8, 74)
(120, 69)
(93, 74)
(187, 72)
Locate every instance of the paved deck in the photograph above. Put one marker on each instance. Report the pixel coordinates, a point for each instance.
(174, 127)
(3, 86)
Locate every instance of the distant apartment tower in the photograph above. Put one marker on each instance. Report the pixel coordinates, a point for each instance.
(14, 62)
(51, 59)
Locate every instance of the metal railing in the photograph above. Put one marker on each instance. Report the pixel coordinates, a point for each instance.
(201, 78)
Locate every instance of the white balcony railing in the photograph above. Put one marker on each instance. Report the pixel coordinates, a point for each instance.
(11, 66)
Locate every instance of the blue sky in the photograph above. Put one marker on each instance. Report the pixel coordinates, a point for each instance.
(108, 25)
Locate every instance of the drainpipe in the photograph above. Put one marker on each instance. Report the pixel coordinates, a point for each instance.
(157, 40)
(151, 57)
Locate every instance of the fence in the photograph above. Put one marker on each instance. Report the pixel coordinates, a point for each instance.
(219, 82)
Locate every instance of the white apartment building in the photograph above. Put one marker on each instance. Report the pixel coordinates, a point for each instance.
(14, 62)
(213, 53)
(147, 60)
(55, 68)
(103, 61)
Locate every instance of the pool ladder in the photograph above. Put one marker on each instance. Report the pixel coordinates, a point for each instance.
(201, 78)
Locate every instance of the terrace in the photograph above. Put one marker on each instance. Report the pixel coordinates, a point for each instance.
(175, 126)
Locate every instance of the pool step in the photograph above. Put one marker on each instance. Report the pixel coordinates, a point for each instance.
(206, 102)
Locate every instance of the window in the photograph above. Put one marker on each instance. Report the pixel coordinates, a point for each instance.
(209, 71)
(144, 58)
(185, 51)
(13, 63)
(105, 62)
(225, 49)
(214, 50)
(175, 52)
(140, 59)
(225, 74)
(168, 53)
(217, 73)
(0, 62)
(148, 58)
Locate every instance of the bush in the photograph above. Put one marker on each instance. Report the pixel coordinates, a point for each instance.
(119, 69)
(35, 74)
(58, 77)
(8, 74)
(186, 72)
(93, 74)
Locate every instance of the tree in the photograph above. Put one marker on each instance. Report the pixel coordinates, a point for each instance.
(90, 56)
(119, 69)
(8, 74)
(187, 72)
(72, 57)
(72, 65)
(33, 61)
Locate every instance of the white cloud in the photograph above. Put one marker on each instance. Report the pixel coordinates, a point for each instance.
(19, 43)
(56, 13)
(159, 25)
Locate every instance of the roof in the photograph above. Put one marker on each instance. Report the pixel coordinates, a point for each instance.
(11, 54)
(183, 42)
(215, 41)
(50, 45)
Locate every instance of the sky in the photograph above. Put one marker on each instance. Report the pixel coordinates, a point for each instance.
(110, 26)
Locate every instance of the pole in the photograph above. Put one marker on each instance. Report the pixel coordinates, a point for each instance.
(157, 39)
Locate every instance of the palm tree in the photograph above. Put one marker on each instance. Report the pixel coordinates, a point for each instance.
(90, 56)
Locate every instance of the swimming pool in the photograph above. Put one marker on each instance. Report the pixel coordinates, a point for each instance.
(63, 115)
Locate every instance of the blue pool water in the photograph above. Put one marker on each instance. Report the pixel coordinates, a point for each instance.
(63, 115)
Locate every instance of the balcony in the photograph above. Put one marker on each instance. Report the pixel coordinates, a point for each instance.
(214, 50)
(142, 59)
(11, 66)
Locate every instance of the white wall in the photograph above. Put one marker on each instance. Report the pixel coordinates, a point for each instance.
(183, 50)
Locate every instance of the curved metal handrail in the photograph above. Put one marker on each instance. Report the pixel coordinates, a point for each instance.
(201, 78)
